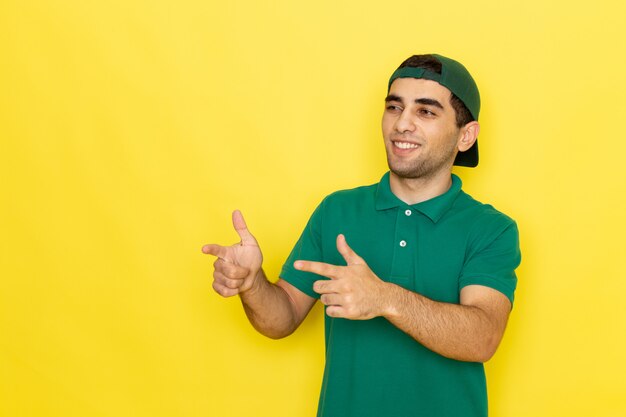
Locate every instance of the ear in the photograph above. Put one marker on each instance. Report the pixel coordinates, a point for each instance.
(468, 136)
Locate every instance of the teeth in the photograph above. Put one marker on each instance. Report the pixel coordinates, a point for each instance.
(405, 145)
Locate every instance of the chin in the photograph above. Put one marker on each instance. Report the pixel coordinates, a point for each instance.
(409, 175)
(409, 172)
(418, 169)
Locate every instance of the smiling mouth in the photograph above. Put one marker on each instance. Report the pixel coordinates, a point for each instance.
(405, 145)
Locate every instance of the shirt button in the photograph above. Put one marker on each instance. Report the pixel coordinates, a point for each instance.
(403, 243)
(408, 212)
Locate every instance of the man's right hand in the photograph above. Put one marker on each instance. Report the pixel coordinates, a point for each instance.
(237, 266)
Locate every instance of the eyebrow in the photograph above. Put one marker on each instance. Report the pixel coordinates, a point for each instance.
(429, 102)
(425, 101)
(392, 97)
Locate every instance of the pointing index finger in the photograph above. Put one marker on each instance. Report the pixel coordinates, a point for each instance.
(215, 250)
(319, 268)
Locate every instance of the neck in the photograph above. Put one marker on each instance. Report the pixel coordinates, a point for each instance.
(416, 190)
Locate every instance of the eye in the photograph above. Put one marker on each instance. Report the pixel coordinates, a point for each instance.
(426, 112)
(393, 107)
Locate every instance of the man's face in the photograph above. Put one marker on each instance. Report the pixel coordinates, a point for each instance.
(419, 128)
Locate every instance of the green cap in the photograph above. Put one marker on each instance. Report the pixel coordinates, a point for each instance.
(456, 78)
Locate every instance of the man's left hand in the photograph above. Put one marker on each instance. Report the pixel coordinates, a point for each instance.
(353, 291)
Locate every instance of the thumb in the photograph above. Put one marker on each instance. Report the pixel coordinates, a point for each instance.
(242, 229)
(346, 251)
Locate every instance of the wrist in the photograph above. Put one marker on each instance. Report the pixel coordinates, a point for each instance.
(256, 281)
(388, 300)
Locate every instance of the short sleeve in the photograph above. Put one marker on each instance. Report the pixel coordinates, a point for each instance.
(493, 258)
(308, 248)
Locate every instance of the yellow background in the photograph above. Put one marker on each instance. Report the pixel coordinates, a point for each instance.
(130, 129)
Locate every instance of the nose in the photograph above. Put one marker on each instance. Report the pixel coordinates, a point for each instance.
(405, 122)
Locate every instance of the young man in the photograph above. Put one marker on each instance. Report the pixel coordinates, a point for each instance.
(416, 276)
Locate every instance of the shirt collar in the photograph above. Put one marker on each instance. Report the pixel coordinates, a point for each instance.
(434, 208)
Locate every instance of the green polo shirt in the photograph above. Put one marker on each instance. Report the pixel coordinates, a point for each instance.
(434, 248)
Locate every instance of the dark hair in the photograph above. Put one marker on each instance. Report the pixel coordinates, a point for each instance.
(429, 62)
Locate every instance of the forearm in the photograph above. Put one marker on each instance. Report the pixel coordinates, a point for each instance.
(460, 332)
(269, 308)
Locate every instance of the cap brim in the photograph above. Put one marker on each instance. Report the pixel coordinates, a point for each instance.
(469, 158)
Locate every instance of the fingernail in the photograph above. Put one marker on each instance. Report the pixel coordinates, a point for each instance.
(297, 264)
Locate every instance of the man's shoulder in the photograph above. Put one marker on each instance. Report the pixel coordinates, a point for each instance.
(352, 195)
(483, 215)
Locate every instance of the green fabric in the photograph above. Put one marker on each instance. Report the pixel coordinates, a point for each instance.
(454, 76)
(373, 368)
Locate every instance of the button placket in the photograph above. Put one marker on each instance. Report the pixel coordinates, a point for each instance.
(403, 268)
(407, 213)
